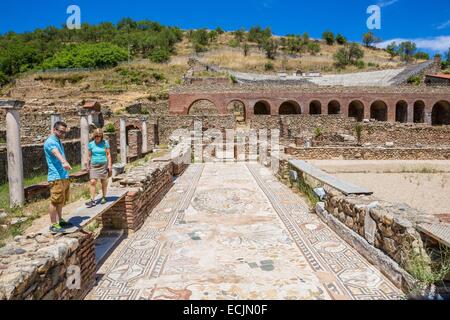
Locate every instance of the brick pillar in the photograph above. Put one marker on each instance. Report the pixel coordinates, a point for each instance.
(134, 143)
(111, 137)
(410, 113)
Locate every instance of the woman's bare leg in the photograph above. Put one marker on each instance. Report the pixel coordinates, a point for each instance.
(104, 187)
(92, 188)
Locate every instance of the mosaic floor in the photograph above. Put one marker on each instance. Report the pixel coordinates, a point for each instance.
(232, 231)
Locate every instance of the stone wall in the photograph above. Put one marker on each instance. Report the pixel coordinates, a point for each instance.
(167, 125)
(383, 232)
(375, 133)
(361, 153)
(34, 158)
(38, 267)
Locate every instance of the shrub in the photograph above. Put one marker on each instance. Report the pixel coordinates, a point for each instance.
(233, 79)
(415, 80)
(317, 132)
(340, 39)
(159, 55)
(268, 66)
(102, 55)
(110, 128)
(328, 36)
(360, 64)
(3, 79)
(313, 48)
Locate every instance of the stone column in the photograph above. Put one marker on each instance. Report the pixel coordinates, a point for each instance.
(123, 140)
(14, 151)
(54, 118)
(84, 137)
(144, 136)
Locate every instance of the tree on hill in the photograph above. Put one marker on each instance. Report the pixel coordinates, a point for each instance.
(259, 35)
(407, 50)
(294, 44)
(392, 49)
(369, 39)
(340, 39)
(313, 48)
(422, 56)
(328, 36)
(246, 48)
(350, 54)
(219, 30)
(270, 47)
(239, 35)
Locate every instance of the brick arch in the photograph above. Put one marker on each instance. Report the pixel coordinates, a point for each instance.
(334, 107)
(262, 107)
(315, 107)
(401, 111)
(217, 111)
(289, 107)
(419, 111)
(229, 111)
(356, 110)
(379, 110)
(440, 114)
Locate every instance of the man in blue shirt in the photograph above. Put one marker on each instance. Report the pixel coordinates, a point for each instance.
(58, 176)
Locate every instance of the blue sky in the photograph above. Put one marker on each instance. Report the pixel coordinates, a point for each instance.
(425, 22)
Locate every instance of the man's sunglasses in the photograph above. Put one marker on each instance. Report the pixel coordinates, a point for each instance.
(61, 131)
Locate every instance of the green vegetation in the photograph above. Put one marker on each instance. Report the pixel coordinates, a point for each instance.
(317, 132)
(422, 56)
(369, 39)
(268, 66)
(110, 128)
(233, 79)
(350, 54)
(428, 272)
(340, 39)
(313, 48)
(415, 80)
(92, 46)
(328, 36)
(102, 55)
(406, 50)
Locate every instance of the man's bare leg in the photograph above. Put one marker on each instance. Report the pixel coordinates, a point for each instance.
(54, 215)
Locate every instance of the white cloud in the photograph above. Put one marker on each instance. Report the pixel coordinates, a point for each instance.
(443, 25)
(441, 43)
(387, 3)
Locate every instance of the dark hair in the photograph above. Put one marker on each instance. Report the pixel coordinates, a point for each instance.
(59, 124)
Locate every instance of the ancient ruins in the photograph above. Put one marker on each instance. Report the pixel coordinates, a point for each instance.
(245, 199)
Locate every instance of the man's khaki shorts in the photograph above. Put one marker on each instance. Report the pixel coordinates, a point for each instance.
(59, 192)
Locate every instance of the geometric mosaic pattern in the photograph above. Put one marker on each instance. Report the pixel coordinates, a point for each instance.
(232, 231)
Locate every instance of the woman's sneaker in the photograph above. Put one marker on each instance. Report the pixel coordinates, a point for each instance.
(103, 200)
(56, 228)
(91, 203)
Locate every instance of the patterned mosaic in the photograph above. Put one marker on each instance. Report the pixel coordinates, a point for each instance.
(231, 231)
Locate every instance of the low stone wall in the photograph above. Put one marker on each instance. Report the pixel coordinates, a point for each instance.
(360, 153)
(37, 267)
(405, 135)
(34, 158)
(376, 133)
(167, 125)
(385, 233)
